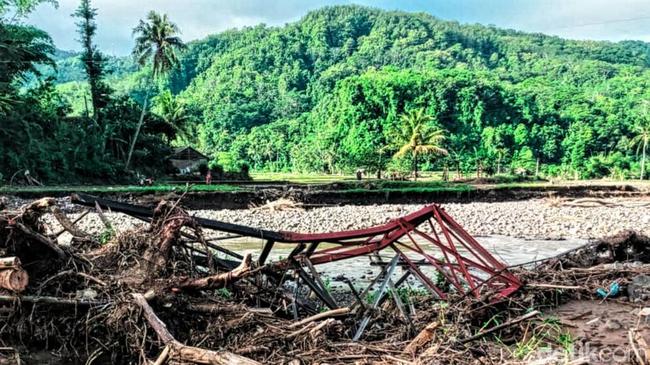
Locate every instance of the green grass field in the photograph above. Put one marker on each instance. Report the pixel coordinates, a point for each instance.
(325, 178)
(429, 183)
(117, 189)
(301, 178)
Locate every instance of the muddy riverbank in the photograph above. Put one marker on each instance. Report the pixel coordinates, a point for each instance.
(364, 193)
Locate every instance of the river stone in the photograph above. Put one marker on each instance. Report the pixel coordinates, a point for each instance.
(639, 289)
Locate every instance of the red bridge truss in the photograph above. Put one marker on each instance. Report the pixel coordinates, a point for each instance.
(428, 238)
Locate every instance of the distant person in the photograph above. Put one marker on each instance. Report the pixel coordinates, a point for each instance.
(208, 178)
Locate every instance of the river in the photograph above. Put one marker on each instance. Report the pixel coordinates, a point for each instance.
(509, 250)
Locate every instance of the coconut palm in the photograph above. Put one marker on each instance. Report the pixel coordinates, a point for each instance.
(640, 141)
(172, 111)
(156, 42)
(417, 137)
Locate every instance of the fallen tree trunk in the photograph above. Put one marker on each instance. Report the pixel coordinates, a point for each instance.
(185, 353)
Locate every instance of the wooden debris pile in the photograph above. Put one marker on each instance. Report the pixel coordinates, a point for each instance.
(163, 294)
(157, 293)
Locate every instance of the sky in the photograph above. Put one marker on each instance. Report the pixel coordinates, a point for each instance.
(576, 19)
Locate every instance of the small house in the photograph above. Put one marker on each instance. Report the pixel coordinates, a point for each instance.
(187, 160)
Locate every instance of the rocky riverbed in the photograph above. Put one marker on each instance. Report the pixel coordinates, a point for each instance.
(532, 219)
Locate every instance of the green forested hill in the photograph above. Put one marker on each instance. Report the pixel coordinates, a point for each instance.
(326, 94)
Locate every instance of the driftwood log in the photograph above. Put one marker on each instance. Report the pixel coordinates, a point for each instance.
(184, 353)
(219, 280)
(67, 224)
(509, 323)
(45, 241)
(35, 300)
(15, 280)
(23, 228)
(12, 275)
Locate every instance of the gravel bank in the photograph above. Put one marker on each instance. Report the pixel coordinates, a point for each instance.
(533, 219)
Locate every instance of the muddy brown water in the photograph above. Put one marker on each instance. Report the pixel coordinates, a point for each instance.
(509, 250)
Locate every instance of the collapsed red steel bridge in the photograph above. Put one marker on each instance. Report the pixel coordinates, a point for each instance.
(428, 237)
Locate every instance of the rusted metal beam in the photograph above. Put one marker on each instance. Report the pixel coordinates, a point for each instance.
(89, 200)
(266, 250)
(380, 293)
(323, 296)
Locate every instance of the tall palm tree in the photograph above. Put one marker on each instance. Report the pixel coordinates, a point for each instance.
(417, 137)
(156, 42)
(641, 140)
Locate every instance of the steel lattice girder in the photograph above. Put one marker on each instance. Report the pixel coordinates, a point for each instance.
(463, 262)
(415, 238)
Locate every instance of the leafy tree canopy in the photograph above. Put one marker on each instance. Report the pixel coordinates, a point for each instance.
(327, 93)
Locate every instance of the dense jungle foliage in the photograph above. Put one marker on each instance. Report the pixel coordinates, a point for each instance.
(329, 92)
(40, 136)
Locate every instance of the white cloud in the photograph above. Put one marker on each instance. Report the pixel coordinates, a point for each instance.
(196, 18)
(580, 19)
(587, 19)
